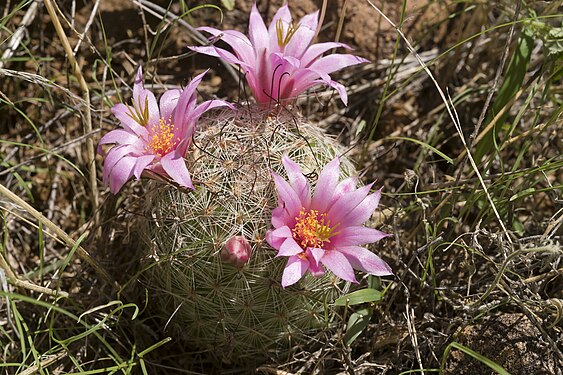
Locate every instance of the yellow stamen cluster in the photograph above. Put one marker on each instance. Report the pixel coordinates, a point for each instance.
(283, 40)
(312, 229)
(162, 139)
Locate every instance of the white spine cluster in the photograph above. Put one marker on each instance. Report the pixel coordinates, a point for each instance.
(236, 313)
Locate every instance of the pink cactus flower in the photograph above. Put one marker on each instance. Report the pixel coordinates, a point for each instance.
(279, 62)
(236, 251)
(153, 138)
(325, 229)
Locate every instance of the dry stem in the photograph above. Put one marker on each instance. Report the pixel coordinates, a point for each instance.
(83, 254)
(86, 97)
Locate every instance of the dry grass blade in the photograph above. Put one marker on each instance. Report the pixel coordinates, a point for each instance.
(18, 283)
(86, 96)
(454, 118)
(16, 38)
(59, 232)
(48, 361)
(160, 12)
(515, 254)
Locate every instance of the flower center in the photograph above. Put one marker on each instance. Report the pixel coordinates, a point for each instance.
(162, 140)
(285, 37)
(312, 229)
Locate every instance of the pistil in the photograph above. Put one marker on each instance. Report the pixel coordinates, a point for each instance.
(312, 229)
(284, 38)
(139, 114)
(162, 139)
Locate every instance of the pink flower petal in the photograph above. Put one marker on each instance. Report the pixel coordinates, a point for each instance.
(238, 42)
(284, 15)
(289, 248)
(310, 21)
(364, 260)
(315, 253)
(121, 173)
(219, 52)
(208, 105)
(287, 197)
(345, 186)
(142, 163)
(182, 147)
(122, 112)
(339, 265)
(297, 180)
(138, 84)
(325, 80)
(334, 62)
(176, 168)
(294, 270)
(356, 235)
(118, 136)
(315, 50)
(114, 155)
(341, 91)
(364, 210)
(328, 179)
(280, 217)
(278, 83)
(346, 203)
(258, 34)
(229, 57)
(276, 237)
(303, 37)
(187, 97)
(287, 63)
(314, 257)
(168, 102)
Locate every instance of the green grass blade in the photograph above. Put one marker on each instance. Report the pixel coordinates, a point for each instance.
(513, 80)
(484, 360)
(358, 297)
(425, 145)
(356, 324)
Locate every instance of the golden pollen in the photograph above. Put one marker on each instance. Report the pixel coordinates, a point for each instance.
(284, 38)
(162, 139)
(312, 229)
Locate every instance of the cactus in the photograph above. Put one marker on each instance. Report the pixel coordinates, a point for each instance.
(238, 312)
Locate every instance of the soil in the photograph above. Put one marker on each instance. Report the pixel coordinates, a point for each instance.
(511, 340)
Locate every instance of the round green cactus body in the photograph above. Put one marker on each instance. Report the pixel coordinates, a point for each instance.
(237, 312)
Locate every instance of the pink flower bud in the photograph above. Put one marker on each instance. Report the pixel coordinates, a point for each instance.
(236, 251)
